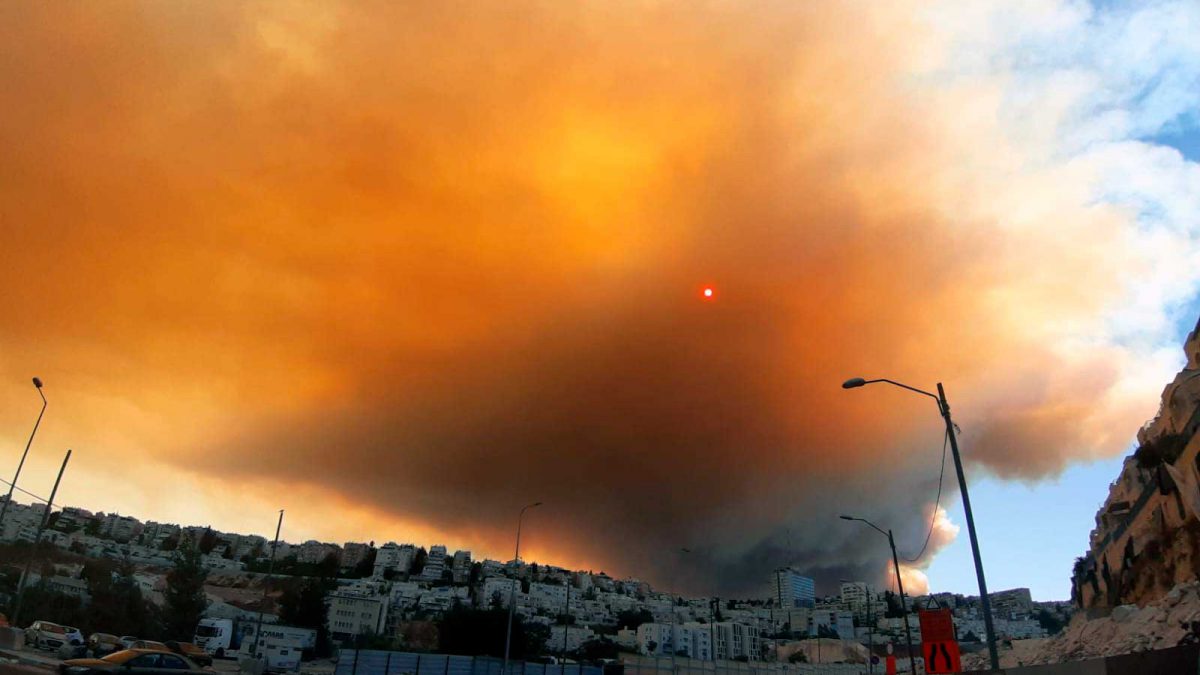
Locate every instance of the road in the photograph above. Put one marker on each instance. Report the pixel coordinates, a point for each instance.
(38, 662)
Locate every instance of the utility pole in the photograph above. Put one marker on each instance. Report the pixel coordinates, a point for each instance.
(912, 658)
(37, 540)
(512, 596)
(267, 585)
(944, 407)
(566, 629)
(37, 382)
(712, 628)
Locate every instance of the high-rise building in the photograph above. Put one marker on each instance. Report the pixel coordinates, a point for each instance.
(790, 588)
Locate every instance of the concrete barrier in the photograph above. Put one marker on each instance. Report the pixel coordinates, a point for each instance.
(12, 638)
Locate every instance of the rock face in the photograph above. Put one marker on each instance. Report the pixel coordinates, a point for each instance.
(1147, 535)
(1129, 628)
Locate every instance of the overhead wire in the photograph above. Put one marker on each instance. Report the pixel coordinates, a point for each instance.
(27, 492)
(936, 503)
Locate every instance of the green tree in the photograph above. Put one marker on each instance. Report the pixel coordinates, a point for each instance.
(117, 602)
(304, 605)
(184, 598)
(366, 566)
(631, 619)
(328, 567)
(1049, 621)
(208, 541)
(40, 602)
(418, 562)
(478, 632)
(601, 648)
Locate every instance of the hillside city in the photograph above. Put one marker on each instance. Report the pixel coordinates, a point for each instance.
(384, 595)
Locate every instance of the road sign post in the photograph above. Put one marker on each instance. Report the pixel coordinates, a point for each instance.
(939, 647)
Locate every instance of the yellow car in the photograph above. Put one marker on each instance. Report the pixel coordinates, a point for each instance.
(133, 662)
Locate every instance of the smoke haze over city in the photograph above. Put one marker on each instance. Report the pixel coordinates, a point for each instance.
(402, 268)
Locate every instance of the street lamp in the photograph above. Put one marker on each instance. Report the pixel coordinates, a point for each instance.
(37, 382)
(912, 657)
(512, 597)
(944, 409)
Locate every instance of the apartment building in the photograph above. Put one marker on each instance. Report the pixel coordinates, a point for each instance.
(354, 612)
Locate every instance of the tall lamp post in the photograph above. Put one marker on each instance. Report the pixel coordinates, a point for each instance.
(266, 586)
(37, 382)
(512, 596)
(37, 539)
(944, 409)
(912, 657)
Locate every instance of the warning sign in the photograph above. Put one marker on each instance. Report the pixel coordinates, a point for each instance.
(941, 657)
(938, 645)
(937, 625)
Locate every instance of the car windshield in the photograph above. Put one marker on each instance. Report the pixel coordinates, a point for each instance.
(207, 631)
(52, 628)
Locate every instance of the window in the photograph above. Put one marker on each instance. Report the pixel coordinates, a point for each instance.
(144, 661)
(173, 662)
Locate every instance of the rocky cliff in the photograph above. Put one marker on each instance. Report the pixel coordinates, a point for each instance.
(1147, 535)
(1165, 622)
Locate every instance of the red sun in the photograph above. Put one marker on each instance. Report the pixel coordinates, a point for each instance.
(708, 293)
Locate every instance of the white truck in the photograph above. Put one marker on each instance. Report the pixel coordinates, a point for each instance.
(277, 654)
(226, 637)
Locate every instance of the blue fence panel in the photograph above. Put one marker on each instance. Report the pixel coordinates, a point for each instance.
(484, 665)
(403, 663)
(459, 665)
(343, 663)
(432, 664)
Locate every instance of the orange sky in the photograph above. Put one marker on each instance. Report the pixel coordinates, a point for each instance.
(400, 268)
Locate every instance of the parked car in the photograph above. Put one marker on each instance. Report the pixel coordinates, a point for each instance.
(103, 644)
(193, 652)
(128, 640)
(149, 645)
(131, 662)
(46, 635)
(74, 635)
(73, 649)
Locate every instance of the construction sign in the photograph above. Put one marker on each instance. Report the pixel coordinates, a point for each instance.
(938, 644)
(941, 657)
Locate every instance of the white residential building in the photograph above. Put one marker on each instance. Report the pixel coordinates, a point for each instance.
(315, 552)
(575, 636)
(120, 528)
(353, 613)
(393, 557)
(839, 622)
(691, 639)
(548, 596)
(498, 590)
(216, 562)
(435, 564)
(736, 640)
(353, 554)
(461, 566)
